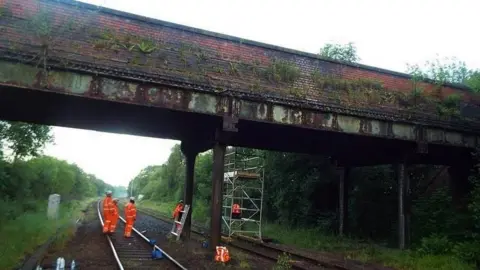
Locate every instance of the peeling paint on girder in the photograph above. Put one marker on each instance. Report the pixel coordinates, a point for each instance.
(453, 138)
(348, 124)
(403, 131)
(118, 90)
(203, 103)
(159, 96)
(69, 82)
(18, 74)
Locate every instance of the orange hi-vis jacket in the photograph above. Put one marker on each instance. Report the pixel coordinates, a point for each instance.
(177, 210)
(115, 211)
(130, 212)
(107, 213)
(107, 207)
(236, 208)
(222, 254)
(114, 218)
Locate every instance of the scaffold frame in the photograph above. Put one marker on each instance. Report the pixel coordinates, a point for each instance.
(243, 184)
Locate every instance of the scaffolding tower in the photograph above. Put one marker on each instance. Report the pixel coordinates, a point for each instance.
(243, 185)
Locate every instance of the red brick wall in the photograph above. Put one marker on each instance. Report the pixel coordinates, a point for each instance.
(79, 44)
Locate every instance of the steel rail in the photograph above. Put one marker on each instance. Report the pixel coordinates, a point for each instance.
(156, 247)
(119, 263)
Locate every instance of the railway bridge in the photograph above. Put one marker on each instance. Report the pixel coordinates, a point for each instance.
(71, 64)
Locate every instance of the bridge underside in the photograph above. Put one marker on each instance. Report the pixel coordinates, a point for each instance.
(42, 107)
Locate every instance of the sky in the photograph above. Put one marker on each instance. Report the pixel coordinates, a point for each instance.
(388, 34)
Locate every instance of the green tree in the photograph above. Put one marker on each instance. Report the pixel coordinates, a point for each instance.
(24, 139)
(346, 52)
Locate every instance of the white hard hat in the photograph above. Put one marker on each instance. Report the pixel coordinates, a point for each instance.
(132, 198)
(109, 192)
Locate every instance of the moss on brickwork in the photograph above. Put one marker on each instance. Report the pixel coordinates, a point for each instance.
(282, 71)
(217, 62)
(365, 91)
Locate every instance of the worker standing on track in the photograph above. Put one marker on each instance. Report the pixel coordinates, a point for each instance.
(130, 217)
(177, 213)
(114, 220)
(107, 211)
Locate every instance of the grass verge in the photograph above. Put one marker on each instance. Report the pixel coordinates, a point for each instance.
(21, 236)
(366, 252)
(349, 248)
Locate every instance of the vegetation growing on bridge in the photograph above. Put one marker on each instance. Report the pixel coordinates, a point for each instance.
(204, 65)
(26, 180)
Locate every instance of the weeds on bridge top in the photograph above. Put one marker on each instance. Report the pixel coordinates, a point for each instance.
(204, 65)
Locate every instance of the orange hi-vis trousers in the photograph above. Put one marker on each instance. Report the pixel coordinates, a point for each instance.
(107, 214)
(114, 219)
(130, 217)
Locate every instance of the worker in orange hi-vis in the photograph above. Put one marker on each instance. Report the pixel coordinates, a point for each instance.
(114, 219)
(107, 211)
(222, 254)
(236, 211)
(177, 213)
(130, 217)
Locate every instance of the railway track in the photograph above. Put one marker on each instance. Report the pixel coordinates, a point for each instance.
(297, 261)
(136, 252)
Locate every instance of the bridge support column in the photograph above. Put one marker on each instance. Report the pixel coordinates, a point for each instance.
(217, 198)
(190, 151)
(343, 174)
(402, 179)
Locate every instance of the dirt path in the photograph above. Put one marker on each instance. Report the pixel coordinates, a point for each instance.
(88, 247)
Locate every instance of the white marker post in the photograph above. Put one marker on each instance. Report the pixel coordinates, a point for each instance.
(53, 206)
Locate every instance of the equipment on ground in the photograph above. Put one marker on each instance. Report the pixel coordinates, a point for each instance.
(178, 225)
(156, 254)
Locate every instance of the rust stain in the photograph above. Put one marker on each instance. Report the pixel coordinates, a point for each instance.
(390, 130)
(140, 96)
(335, 125)
(39, 79)
(262, 109)
(222, 105)
(270, 112)
(365, 127)
(167, 98)
(95, 86)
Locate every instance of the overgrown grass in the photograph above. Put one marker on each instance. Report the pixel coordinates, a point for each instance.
(23, 234)
(362, 251)
(346, 247)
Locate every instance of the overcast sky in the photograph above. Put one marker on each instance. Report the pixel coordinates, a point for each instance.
(388, 34)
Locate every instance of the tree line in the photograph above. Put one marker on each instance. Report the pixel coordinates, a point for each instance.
(27, 176)
(302, 190)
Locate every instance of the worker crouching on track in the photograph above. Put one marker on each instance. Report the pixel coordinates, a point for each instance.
(130, 217)
(114, 220)
(107, 211)
(177, 213)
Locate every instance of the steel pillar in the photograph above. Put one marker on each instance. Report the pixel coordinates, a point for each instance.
(190, 149)
(217, 198)
(401, 175)
(343, 200)
(190, 157)
(408, 210)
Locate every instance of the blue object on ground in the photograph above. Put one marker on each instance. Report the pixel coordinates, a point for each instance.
(156, 254)
(204, 244)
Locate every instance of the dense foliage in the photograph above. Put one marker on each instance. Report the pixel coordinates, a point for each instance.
(26, 176)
